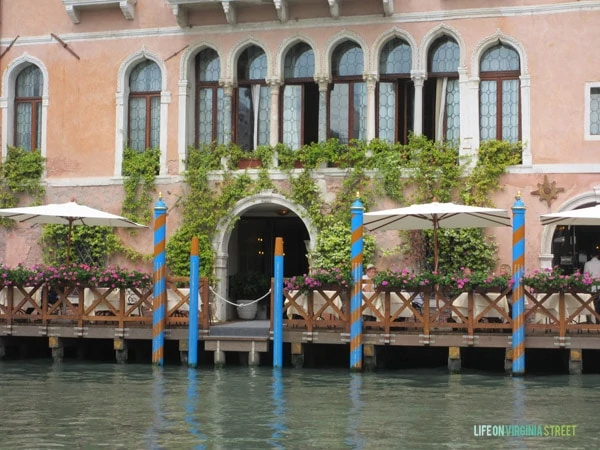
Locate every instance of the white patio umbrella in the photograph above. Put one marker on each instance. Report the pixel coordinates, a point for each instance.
(584, 216)
(69, 214)
(433, 216)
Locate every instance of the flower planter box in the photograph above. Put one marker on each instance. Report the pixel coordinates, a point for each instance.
(249, 163)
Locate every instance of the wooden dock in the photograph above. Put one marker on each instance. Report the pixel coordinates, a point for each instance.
(390, 319)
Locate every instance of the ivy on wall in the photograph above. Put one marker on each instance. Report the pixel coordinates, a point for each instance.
(139, 172)
(414, 173)
(21, 173)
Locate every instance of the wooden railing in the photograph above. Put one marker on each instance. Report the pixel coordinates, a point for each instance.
(435, 310)
(82, 305)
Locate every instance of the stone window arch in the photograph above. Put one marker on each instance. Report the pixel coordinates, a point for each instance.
(395, 92)
(300, 97)
(499, 98)
(209, 119)
(252, 107)
(441, 91)
(126, 91)
(347, 99)
(24, 105)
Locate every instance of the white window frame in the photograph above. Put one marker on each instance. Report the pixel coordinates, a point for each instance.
(587, 101)
(7, 101)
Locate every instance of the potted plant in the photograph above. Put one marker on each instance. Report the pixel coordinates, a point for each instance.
(247, 287)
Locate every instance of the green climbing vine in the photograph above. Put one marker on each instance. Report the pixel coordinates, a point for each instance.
(139, 172)
(417, 172)
(21, 174)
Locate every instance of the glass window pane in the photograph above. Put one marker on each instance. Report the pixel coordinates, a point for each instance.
(137, 124)
(23, 126)
(452, 111)
(396, 57)
(220, 138)
(387, 111)
(38, 138)
(29, 82)
(510, 110)
(209, 66)
(500, 58)
(487, 110)
(145, 77)
(595, 111)
(155, 122)
(444, 56)
(360, 111)
(252, 64)
(245, 122)
(292, 119)
(348, 59)
(205, 115)
(338, 112)
(264, 115)
(300, 62)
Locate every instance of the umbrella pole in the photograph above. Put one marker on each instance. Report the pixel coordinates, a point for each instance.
(69, 242)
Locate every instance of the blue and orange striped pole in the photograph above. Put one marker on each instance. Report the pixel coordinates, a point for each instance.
(278, 305)
(160, 292)
(193, 321)
(356, 262)
(518, 269)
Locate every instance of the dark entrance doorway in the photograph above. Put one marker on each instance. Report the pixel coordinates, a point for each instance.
(572, 246)
(253, 249)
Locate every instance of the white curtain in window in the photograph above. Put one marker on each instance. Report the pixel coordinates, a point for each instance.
(255, 109)
(440, 107)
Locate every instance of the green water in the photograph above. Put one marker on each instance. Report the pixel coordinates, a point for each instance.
(82, 405)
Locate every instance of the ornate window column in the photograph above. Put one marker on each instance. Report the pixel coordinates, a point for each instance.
(323, 82)
(371, 81)
(275, 86)
(227, 86)
(418, 80)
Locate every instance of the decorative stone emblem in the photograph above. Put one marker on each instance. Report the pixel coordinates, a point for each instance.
(547, 191)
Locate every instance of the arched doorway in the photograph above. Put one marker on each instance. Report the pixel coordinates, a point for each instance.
(569, 247)
(246, 243)
(572, 246)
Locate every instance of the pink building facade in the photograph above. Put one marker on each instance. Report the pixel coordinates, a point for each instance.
(82, 79)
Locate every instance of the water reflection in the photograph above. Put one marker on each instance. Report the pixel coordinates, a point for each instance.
(354, 438)
(278, 424)
(192, 401)
(132, 406)
(158, 422)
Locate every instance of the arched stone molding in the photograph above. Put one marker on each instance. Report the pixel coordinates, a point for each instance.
(7, 101)
(431, 37)
(548, 230)
(334, 41)
(187, 96)
(383, 39)
(234, 54)
(221, 240)
(286, 45)
(490, 41)
(122, 96)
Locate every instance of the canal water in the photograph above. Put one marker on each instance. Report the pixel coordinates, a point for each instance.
(44, 405)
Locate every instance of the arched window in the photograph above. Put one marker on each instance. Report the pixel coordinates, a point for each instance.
(253, 105)
(396, 92)
(348, 94)
(499, 105)
(144, 106)
(298, 118)
(441, 95)
(28, 108)
(209, 105)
